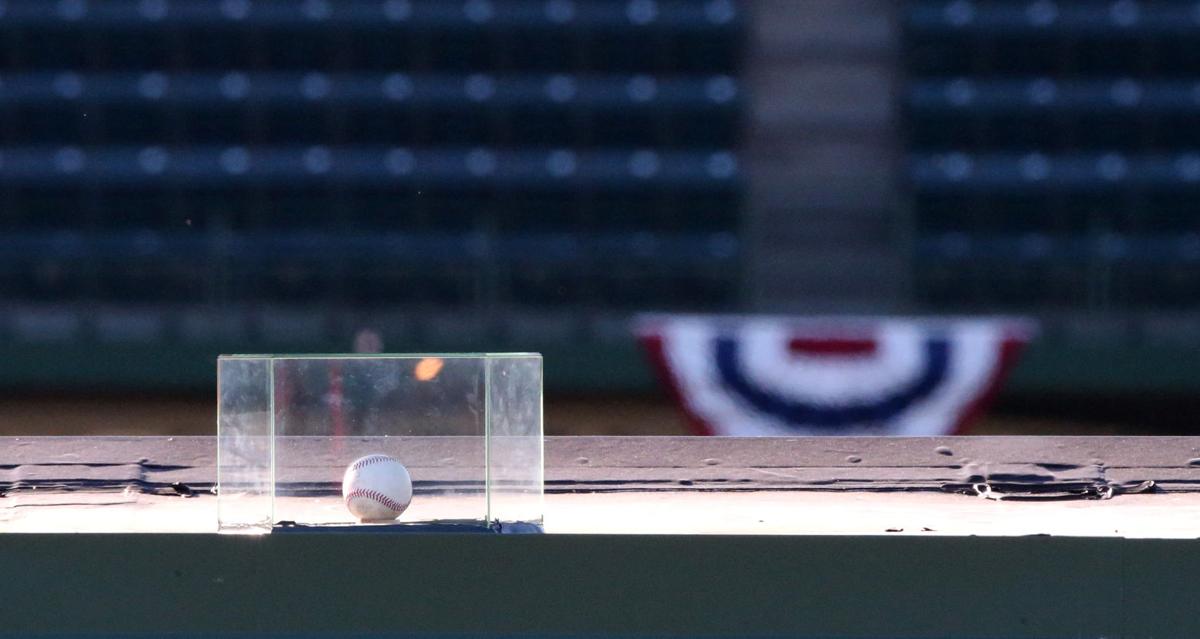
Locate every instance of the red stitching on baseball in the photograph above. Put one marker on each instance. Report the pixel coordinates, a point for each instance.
(377, 496)
(370, 460)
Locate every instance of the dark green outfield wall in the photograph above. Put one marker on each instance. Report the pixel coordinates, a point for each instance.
(118, 367)
(696, 586)
(1046, 367)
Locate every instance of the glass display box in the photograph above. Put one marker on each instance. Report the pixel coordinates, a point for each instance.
(467, 427)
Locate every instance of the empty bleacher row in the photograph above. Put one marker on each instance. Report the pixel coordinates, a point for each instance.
(1060, 272)
(597, 273)
(1038, 172)
(260, 108)
(370, 189)
(340, 166)
(436, 154)
(665, 36)
(1052, 37)
(1054, 158)
(1056, 18)
(1101, 113)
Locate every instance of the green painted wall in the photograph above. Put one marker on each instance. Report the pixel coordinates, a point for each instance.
(544, 585)
(1046, 366)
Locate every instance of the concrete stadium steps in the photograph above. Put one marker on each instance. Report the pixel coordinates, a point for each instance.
(825, 218)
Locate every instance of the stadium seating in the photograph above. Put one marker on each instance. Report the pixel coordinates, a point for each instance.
(371, 153)
(1054, 152)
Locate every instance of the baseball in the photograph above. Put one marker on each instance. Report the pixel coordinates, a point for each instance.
(376, 488)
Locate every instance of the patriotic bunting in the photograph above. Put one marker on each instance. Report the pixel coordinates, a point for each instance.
(770, 376)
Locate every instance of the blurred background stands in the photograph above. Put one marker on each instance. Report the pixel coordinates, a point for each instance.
(280, 174)
(1054, 166)
(183, 177)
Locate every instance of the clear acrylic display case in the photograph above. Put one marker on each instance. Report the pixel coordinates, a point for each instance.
(468, 427)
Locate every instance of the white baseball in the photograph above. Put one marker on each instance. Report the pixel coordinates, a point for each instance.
(376, 488)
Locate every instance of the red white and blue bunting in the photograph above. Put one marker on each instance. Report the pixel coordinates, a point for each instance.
(770, 376)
